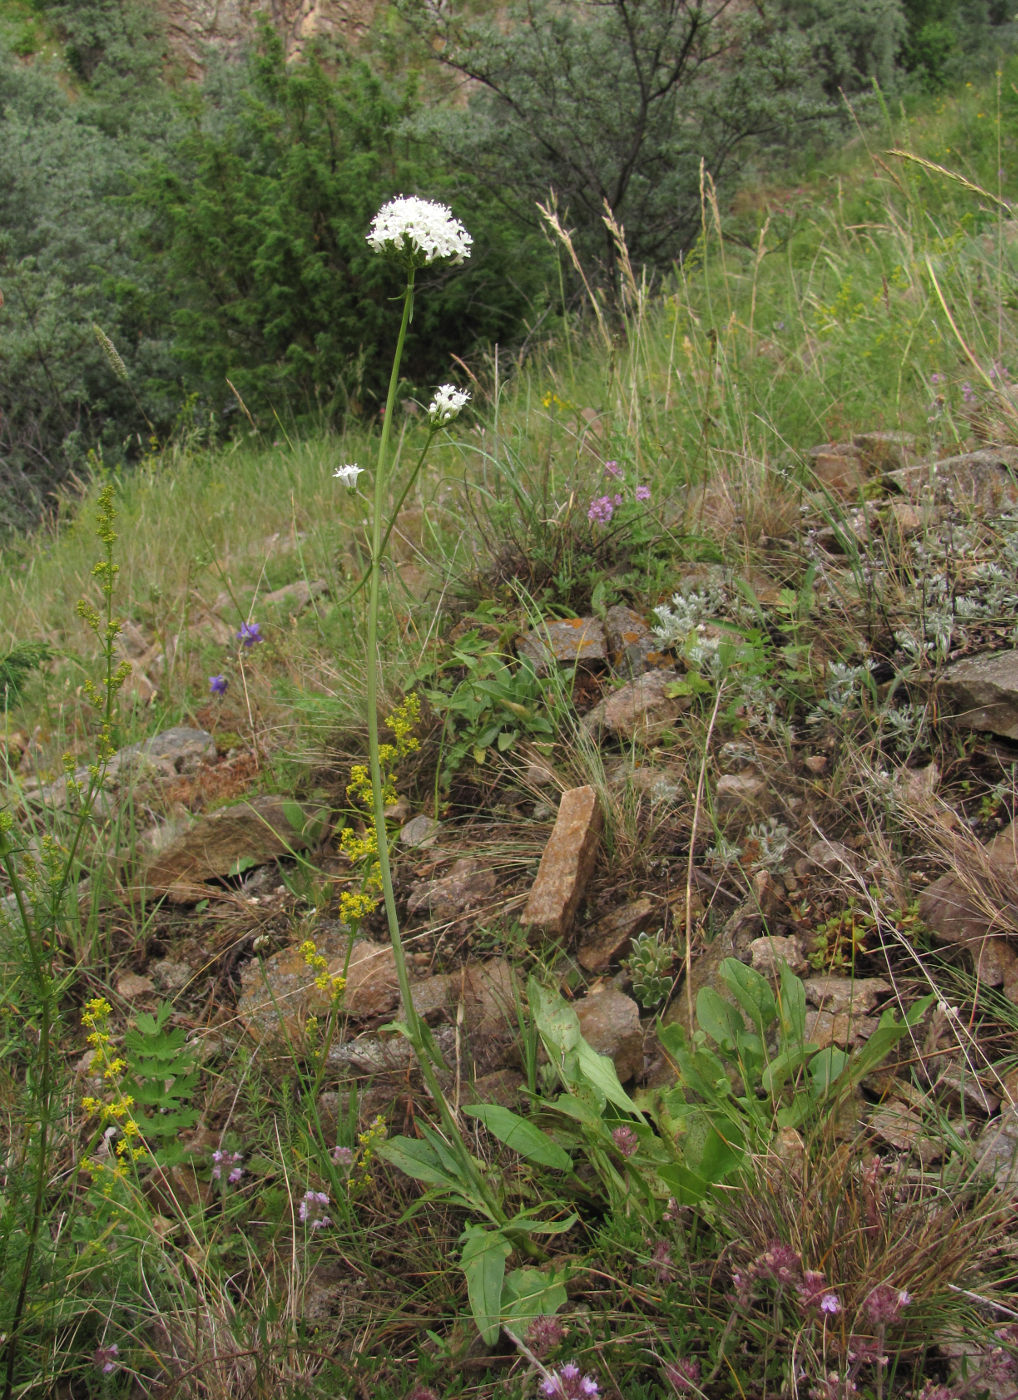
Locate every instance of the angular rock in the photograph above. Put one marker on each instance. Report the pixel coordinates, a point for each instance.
(981, 692)
(420, 831)
(903, 1129)
(490, 995)
(985, 481)
(769, 953)
(998, 1150)
(278, 995)
(567, 640)
(737, 791)
(885, 451)
(295, 597)
(372, 987)
(987, 906)
(632, 646)
(468, 885)
(610, 1024)
(826, 1028)
(611, 936)
(642, 710)
(566, 865)
(840, 470)
(854, 995)
(224, 842)
(131, 986)
(174, 751)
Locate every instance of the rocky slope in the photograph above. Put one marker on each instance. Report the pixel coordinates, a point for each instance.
(195, 26)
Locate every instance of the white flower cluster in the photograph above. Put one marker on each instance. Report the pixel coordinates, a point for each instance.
(419, 232)
(447, 404)
(348, 475)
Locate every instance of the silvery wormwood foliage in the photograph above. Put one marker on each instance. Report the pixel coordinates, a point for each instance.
(418, 232)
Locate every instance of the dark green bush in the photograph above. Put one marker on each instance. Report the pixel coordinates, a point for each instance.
(255, 223)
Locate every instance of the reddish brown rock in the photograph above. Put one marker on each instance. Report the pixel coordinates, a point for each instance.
(985, 905)
(227, 842)
(981, 692)
(563, 639)
(642, 710)
(611, 936)
(610, 1024)
(566, 865)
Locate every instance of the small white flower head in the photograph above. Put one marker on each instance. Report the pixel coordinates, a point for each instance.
(348, 475)
(418, 232)
(447, 404)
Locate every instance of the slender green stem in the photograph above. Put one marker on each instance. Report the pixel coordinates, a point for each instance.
(415, 1029)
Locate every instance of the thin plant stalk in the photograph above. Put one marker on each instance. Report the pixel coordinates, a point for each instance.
(414, 1027)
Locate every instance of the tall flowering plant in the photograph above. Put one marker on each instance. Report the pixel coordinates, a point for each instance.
(415, 233)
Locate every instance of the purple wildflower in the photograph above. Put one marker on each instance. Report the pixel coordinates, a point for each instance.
(661, 1262)
(218, 684)
(617, 499)
(682, 1375)
(829, 1304)
(613, 468)
(544, 1334)
(884, 1303)
(567, 1384)
(968, 394)
(936, 378)
(781, 1262)
(601, 510)
(250, 634)
(309, 1210)
(106, 1358)
(642, 493)
(625, 1140)
(230, 1161)
(343, 1156)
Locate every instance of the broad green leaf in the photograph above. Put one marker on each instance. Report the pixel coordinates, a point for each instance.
(525, 1221)
(417, 1159)
(786, 1063)
(556, 1021)
(521, 1135)
(750, 990)
(528, 1294)
(825, 1068)
(599, 1071)
(792, 1008)
(483, 1263)
(719, 1018)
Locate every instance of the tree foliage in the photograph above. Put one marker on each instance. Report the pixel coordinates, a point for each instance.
(63, 250)
(617, 102)
(256, 222)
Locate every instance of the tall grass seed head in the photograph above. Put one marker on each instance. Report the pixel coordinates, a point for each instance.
(418, 232)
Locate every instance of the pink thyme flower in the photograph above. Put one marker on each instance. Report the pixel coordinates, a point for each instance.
(601, 510)
(567, 1384)
(105, 1358)
(310, 1210)
(884, 1303)
(625, 1140)
(544, 1334)
(683, 1375)
(230, 1162)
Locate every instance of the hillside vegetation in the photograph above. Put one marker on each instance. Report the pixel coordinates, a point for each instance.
(302, 1095)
